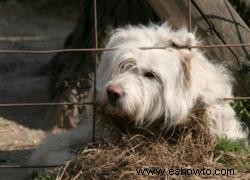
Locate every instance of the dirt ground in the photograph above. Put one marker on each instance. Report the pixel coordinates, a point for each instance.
(25, 77)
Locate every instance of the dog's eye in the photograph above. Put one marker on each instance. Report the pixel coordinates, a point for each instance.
(149, 74)
(122, 67)
(126, 65)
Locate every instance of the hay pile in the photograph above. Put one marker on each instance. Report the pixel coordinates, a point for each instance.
(186, 146)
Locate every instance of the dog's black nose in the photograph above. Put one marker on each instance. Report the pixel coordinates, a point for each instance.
(115, 92)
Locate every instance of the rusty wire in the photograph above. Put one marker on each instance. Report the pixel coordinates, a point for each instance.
(114, 49)
(11, 166)
(95, 65)
(43, 104)
(96, 50)
(189, 16)
(89, 103)
(235, 98)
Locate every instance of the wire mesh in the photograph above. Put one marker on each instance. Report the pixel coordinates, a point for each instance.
(96, 50)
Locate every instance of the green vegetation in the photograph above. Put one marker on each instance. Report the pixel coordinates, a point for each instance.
(242, 109)
(228, 145)
(234, 154)
(45, 177)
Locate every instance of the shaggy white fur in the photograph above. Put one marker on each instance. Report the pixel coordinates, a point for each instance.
(147, 85)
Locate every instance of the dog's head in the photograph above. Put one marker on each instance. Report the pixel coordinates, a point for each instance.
(147, 85)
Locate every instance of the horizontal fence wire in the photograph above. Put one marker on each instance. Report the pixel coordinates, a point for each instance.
(43, 104)
(235, 98)
(114, 49)
(16, 166)
(89, 103)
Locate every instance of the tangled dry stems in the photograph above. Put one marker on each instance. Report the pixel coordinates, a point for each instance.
(188, 145)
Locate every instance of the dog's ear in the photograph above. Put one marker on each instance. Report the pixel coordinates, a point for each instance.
(185, 60)
(183, 39)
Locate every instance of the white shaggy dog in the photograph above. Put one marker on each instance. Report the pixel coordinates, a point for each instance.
(154, 84)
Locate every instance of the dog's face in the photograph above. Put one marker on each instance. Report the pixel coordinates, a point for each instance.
(141, 84)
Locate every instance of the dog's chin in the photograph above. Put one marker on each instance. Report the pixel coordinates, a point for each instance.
(114, 111)
(117, 116)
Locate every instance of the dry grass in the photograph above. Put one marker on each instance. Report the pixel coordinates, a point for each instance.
(188, 146)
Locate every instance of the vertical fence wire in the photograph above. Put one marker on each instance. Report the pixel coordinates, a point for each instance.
(95, 66)
(189, 16)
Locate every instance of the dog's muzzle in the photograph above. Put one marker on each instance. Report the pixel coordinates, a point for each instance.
(115, 92)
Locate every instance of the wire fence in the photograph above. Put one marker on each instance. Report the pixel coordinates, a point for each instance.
(96, 50)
